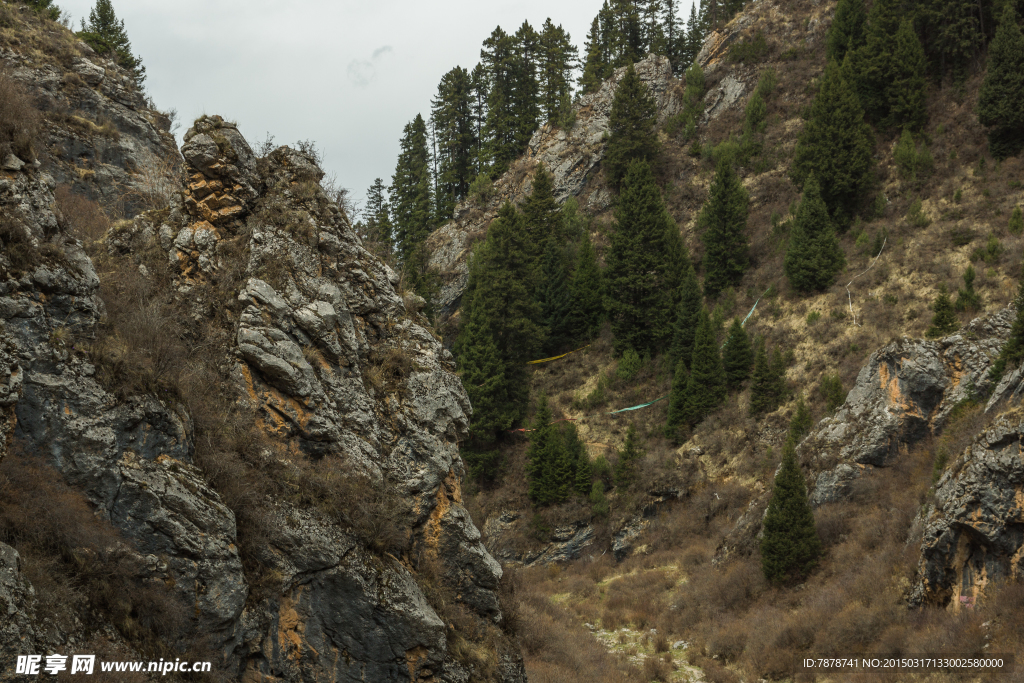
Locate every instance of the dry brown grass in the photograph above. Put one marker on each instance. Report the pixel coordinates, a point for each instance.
(20, 123)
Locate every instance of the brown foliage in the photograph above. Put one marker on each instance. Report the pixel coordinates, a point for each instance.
(19, 119)
(78, 215)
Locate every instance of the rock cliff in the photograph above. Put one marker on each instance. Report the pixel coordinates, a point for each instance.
(101, 135)
(344, 380)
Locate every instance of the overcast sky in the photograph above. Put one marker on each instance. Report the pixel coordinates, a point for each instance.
(345, 74)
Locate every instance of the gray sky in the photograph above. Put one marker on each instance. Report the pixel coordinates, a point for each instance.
(347, 75)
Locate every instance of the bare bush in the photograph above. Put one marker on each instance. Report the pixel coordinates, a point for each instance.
(20, 123)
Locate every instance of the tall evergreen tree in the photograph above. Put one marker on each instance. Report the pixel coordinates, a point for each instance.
(631, 125)
(411, 191)
(694, 36)
(737, 356)
(628, 44)
(632, 451)
(639, 267)
(677, 403)
(525, 101)
(999, 101)
(723, 222)
(377, 216)
(499, 303)
(483, 375)
(956, 35)
(790, 547)
(557, 57)
(814, 256)
(836, 147)
(576, 451)
(452, 116)
(543, 456)
(847, 32)
(801, 423)
(705, 387)
(687, 317)
(586, 288)
(498, 57)
(674, 33)
(873, 64)
(106, 33)
(905, 85)
(540, 210)
(767, 389)
(555, 297)
(596, 67)
(479, 88)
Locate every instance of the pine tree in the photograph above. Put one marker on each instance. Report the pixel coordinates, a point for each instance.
(705, 387)
(956, 36)
(677, 403)
(737, 356)
(694, 36)
(1012, 353)
(1002, 91)
(628, 456)
(525, 97)
(577, 452)
(595, 67)
(628, 45)
(814, 256)
(674, 34)
(836, 147)
(944, 321)
(411, 191)
(499, 305)
(377, 216)
(687, 317)
(557, 59)
(724, 223)
(847, 32)
(631, 125)
(543, 217)
(479, 89)
(483, 376)
(905, 85)
(800, 424)
(1016, 225)
(555, 297)
(543, 456)
(873, 64)
(452, 117)
(499, 134)
(767, 387)
(638, 266)
(790, 547)
(967, 299)
(586, 288)
(106, 33)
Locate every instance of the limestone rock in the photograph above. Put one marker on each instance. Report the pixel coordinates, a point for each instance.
(905, 392)
(972, 533)
(17, 633)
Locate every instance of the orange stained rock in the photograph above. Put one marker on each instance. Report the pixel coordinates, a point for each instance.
(449, 492)
(890, 384)
(291, 627)
(413, 659)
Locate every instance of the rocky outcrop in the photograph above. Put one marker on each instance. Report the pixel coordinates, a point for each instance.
(571, 155)
(974, 532)
(336, 369)
(567, 542)
(905, 392)
(17, 629)
(102, 137)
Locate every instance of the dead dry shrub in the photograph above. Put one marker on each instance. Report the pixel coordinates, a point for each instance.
(79, 564)
(16, 245)
(78, 215)
(728, 641)
(20, 123)
(656, 669)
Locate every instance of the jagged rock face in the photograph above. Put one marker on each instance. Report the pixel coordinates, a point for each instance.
(17, 633)
(102, 137)
(974, 533)
(333, 363)
(132, 459)
(905, 392)
(570, 155)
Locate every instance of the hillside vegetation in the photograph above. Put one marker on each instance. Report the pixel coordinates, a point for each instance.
(868, 213)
